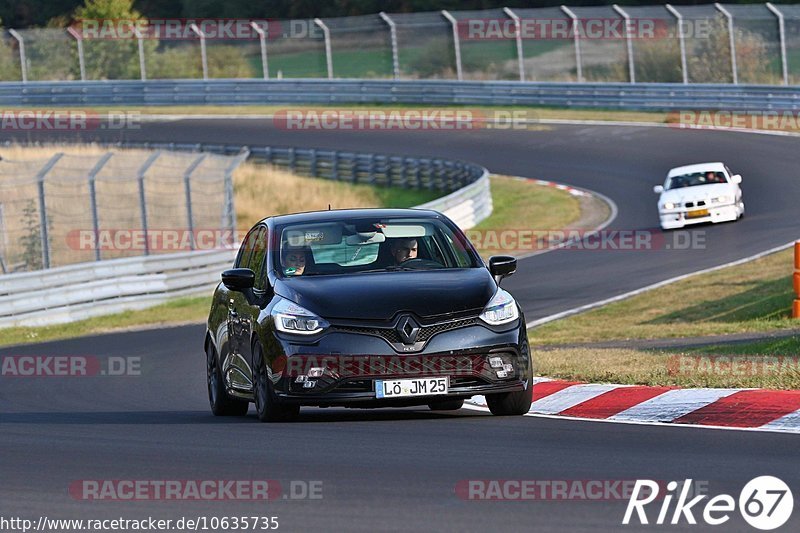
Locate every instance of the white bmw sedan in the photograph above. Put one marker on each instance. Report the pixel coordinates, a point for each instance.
(705, 192)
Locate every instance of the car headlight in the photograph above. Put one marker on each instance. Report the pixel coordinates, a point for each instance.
(501, 309)
(722, 199)
(669, 205)
(292, 318)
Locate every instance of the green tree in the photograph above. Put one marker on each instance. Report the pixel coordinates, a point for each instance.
(116, 58)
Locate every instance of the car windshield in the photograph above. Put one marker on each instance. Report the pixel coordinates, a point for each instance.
(371, 245)
(696, 178)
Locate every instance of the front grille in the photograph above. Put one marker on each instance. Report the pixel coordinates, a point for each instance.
(425, 332)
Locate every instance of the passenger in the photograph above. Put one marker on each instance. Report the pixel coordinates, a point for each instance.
(403, 250)
(294, 261)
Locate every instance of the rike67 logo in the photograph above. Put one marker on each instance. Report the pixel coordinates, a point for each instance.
(765, 503)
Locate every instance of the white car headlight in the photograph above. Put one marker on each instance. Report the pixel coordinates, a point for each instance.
(501, 309)
(292, 318)
(669, 205)
(725, 199)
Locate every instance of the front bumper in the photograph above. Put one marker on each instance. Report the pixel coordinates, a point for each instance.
(677, 218)
(349, 376)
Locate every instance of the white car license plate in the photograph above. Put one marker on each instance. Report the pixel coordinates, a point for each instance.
(398, 388)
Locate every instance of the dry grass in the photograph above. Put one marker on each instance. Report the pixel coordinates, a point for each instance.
(263, 190)
(767, 364)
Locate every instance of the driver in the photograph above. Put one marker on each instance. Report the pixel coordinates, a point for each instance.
(294, 261)
(403, 250)
(711, 177)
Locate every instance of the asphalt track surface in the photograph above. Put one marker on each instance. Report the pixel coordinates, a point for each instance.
(398, 469)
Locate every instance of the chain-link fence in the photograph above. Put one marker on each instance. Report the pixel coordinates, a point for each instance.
(74, 208)
(713, 43)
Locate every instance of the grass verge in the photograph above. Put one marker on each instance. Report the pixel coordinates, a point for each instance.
(512, 199)
(756, 296)
(771, 363)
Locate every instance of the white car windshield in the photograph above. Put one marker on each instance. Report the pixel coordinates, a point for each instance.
(696, 178)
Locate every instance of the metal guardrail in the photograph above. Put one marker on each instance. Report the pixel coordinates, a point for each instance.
(85, 290)
(644, 96)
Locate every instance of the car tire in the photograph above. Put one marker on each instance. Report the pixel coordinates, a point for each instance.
(513, 403)
(267, 407)
(447, 405)
(222, 404)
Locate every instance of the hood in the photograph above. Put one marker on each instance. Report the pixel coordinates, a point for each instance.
(381, 295)
(698, 192)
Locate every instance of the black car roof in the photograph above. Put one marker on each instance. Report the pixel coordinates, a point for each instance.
(349, 214)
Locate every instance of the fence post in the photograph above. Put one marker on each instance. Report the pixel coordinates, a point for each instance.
(731, 41)
(456, 42)
(187, 187)
(262, 40)
(93, 200)
(628, 42)
(782, 36)
(520, 54)
(203, 56)
(576, 30)
(229, 216)
(23, 60)
(393, 38)
(328, 52)
(796, 278)
(81, 60)
(140, 46)
(43, 236)
(681, 41)
(143, 199)
(335, 166)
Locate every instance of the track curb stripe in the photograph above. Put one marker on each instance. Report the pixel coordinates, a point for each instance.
(752, 409)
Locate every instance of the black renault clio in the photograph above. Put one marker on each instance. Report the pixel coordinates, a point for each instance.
(364, 308)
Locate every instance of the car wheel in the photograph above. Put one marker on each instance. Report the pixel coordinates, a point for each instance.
(267, 407)
(222, 404)
(447, 405)
(513, 403)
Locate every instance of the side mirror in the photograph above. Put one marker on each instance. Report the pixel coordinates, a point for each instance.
(239, 279)
(658, 189)
(736, 178)
(501, 266)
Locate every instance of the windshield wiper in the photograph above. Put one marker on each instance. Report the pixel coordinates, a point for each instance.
(390, 268)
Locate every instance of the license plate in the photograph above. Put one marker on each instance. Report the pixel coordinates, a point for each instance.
(398, 388)
(697, 213)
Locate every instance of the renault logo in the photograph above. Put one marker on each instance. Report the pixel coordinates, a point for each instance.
(408, 329)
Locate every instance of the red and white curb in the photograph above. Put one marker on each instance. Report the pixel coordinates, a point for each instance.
(755, 409)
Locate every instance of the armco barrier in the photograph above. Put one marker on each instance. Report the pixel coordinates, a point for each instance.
(639, 96)
(86, 290)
